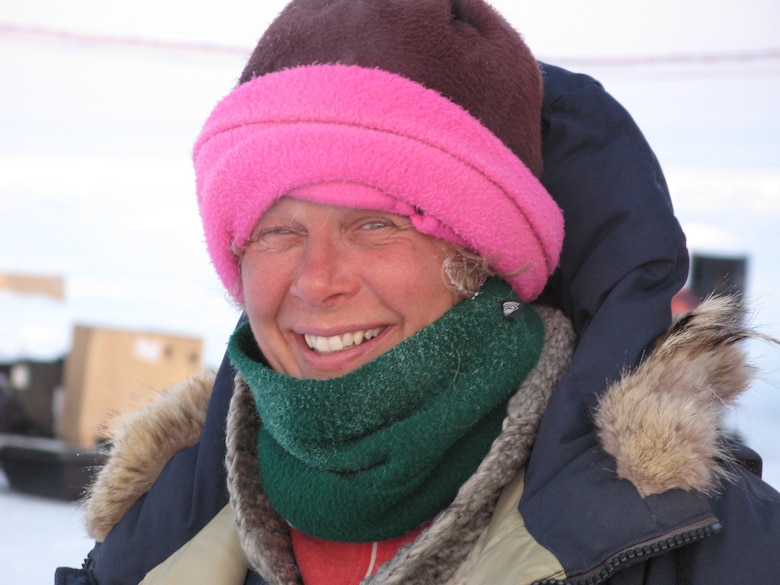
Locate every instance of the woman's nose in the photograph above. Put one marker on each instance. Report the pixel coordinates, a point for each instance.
(324, 276)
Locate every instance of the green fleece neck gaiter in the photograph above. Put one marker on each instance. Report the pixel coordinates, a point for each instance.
(377, 452)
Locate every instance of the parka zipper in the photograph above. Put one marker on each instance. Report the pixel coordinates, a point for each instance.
(682, 537)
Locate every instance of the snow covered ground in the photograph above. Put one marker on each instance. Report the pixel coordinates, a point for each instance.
(37, 536)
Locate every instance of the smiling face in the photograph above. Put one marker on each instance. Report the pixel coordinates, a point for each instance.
(328, 289)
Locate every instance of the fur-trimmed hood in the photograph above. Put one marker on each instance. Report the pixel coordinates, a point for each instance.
(660, 422)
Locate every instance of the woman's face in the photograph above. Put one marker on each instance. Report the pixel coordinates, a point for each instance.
(327, 289)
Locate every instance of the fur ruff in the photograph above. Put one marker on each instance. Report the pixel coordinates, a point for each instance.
(660, 423)
(142, 442)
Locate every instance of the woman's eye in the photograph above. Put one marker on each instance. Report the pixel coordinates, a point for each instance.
(278, 231)
(274, 237)
(274, 231)
(375, 224)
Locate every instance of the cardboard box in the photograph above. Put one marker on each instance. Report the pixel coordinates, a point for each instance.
(52, 286)
(112, 370)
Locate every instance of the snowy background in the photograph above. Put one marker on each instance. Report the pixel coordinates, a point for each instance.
(101, 102)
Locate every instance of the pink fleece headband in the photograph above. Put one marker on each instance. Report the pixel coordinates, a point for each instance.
(366, 138)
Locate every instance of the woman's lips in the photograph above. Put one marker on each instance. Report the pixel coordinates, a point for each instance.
(335, 343)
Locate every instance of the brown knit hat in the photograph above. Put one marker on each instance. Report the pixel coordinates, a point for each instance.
(463, 49)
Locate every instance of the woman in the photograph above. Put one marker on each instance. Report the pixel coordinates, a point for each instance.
(375, 158)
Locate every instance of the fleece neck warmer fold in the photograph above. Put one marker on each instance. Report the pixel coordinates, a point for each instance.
(375, 453)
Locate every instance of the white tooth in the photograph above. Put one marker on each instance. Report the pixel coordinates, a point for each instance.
(339, 342)
(322, 345)
(335, 343)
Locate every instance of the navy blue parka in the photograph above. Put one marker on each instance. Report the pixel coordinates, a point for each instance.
(624, 258)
